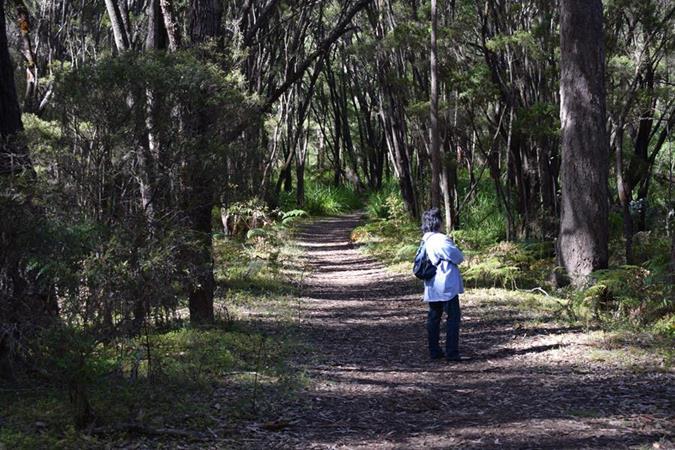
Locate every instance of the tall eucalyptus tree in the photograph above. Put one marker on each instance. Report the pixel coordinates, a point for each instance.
(583, 240)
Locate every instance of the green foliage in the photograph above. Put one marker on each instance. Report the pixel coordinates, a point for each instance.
(406, 253)
(510, 265)
(521, 38)
(491, 271)
(394, 242)
(171, 375)
(242, 217)
(387, 204)
(260, 263)
(107, 259)
(177, 385)
(665, 326)
(70, 355)
(625, 295)
(482, 221)
(326, 200)
(376, 206)
(396, 209)
(292, 216)
(540, 121)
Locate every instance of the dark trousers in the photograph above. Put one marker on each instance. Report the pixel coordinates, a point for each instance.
(451, 308)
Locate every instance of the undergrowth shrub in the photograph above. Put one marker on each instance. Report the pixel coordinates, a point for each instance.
(323, 200)
(392, 240)
(510, 265)
(240, 217)
(293, 216)
(376, 205)
(481, 221)
(628, 295)
(387, 204)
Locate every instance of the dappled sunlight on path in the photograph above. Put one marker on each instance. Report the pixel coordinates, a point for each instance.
(525, 386)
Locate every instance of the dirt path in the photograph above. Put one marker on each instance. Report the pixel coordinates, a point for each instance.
(373, 386)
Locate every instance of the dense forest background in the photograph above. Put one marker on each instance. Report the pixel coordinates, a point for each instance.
(135, 132)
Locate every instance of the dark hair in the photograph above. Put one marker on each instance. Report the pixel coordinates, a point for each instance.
(431, 221)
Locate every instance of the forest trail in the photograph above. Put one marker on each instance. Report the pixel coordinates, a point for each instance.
(372, 385)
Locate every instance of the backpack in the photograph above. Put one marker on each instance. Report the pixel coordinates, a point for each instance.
(422, 267)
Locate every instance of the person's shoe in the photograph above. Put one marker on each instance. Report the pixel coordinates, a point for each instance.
(440, 355)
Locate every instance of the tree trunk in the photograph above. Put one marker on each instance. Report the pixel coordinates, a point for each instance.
(205, 20)
(30, 98)
(433, 132)
(170, 24)
(22, 299)
(625, 195)
(201, 294)
(13, 151)
(119, 33)
(156, 38)
(205, 23)
(300, 160)
(582, 242)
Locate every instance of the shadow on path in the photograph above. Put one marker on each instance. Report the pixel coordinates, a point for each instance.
(372, 385)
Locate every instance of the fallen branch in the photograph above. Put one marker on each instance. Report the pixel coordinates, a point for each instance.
(539, 290)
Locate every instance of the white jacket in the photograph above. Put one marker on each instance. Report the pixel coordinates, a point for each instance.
(444, 254)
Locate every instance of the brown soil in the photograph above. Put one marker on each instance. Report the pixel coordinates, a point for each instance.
(372, 385)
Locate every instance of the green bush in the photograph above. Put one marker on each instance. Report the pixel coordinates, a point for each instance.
(376, 206)
(482, 221)
(406, 252)
(323, 200)
(292, 216)
(511, 265)
(665, 326)
(491, 272)
(387, 204)
(240, 217)
(624, 294)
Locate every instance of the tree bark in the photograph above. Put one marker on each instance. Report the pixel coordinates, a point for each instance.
(582, 242)
(170, 24)
(156, 38)
(119, 33)
(433, 131)
(300, 160)
(205, 20)
(22, 299)
(205, 23)
(13, 151)
(30, 98)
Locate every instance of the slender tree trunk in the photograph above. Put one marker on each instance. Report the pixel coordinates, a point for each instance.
(171, 24)
(300, 160)
(156, 38)
(434, 135)
(625, 194)
(30, 97)
(119, 33)
(582, 242)
(13, 151)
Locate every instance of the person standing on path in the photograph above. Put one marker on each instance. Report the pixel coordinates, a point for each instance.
(442, 291)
